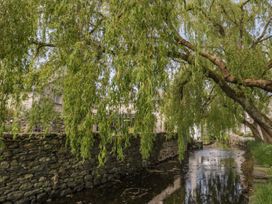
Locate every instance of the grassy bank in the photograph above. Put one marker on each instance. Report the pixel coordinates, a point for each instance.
(262, 154)
(262, 194)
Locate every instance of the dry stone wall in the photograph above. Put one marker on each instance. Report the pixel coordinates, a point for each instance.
(34, 168)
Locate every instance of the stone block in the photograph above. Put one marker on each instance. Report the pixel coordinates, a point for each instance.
(4, 165)
(32, 192)
(28, 176)
(65, 192)
(2, 198)
(41, 196)
(16, 195)
(3, 178)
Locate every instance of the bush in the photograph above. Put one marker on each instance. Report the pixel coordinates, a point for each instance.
(261, 152)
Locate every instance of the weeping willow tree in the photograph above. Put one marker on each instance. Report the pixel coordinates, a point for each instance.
(199, 63)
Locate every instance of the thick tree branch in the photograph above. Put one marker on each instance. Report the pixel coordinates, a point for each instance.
(212, 58)
(228, 77)
(261, 119)
(253, 128)
(239, 97)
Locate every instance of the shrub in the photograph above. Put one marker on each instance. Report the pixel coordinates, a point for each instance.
(261, 152)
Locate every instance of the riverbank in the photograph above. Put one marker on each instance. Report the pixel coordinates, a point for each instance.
(262, 173)
(210, 175)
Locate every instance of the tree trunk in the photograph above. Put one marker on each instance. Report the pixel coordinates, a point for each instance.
(258, 132)
(263, 125)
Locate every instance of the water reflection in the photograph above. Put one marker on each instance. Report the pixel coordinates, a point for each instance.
(216, 189)
(214, 177)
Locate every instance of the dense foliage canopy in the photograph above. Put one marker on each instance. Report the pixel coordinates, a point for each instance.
(199, 63)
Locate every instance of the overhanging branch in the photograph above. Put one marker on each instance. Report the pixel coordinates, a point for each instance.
(228, 77)
(237, 96)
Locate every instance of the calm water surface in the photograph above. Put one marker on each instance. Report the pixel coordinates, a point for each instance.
(214, 176)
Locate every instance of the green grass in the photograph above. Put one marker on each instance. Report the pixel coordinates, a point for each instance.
(262, 153)
(262, 194)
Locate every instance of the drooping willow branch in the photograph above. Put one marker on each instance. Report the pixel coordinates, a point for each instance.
(238, 96)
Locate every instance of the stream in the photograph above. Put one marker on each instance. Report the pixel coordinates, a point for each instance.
(213, 176)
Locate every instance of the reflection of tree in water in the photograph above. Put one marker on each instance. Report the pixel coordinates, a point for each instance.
(217, 189)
